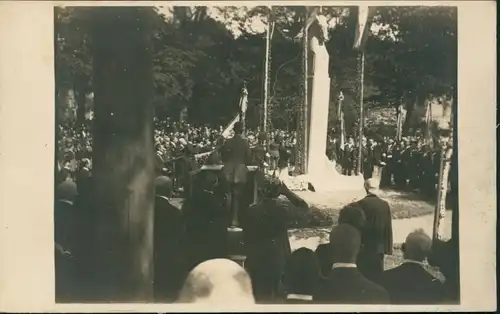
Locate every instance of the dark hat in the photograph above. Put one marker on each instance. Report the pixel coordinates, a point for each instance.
(270, 186)
(262, 136)
(67, 190)
(238, 127)
(163, 186)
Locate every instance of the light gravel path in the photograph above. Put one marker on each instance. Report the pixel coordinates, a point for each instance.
(312, 237)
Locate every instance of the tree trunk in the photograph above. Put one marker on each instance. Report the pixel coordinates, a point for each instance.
(123, 154)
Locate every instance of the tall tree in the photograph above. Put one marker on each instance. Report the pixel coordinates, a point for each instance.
(415, 54)
(73, 59)
(123, 154)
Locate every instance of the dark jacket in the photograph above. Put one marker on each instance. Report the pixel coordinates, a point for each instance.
(169, 245)
(236, 154)
(259, 154)
(349, 286)
(410, 283)
(377, 232)
(376, 237)
(267, 247)
(66, 225)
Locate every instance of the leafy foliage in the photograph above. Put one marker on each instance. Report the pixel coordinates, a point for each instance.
(202, 60)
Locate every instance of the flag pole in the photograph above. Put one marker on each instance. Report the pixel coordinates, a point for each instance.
(305, 100)
(361, 58)
(266, 72)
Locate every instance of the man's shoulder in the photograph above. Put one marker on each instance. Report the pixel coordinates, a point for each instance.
(375, 290)
(165, 205)
(409, 270)
(374, 199)
(368, 288)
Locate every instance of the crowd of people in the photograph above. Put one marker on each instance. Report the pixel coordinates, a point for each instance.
(191, 253)
(192, 244)
(409, 164)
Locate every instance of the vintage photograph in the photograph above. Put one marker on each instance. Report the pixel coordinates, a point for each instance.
(256, 155)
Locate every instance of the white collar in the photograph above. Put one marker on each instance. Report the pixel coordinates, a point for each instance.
(163, 197)
(344, 265)
(66, 201)
(412, 262)
(304, 297)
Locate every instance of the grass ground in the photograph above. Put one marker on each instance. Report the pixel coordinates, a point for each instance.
(325, 208)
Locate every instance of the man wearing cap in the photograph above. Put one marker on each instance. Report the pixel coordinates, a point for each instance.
(376, 233)
(235, 155)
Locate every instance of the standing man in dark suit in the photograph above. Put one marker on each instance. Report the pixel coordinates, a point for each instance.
(377, 232)
(411, 283)
(348, 158)
(169, 243)
(267, 246)
(236, 155)
(67, 242)
(259, 150)
(345, 283)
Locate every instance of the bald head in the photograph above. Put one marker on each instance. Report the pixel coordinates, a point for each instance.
(345, 242)
(417, 246)
(217, 281)
(371, 185)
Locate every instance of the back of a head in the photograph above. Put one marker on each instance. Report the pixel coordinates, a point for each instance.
(218, 282)
(323, 253)
(67, 190)
(371, 185)
(238, 128)
(262, 136)
(345, 243)
(352, 215)
(163, 186)
(417, 246)
(302, 272)
(270, 187)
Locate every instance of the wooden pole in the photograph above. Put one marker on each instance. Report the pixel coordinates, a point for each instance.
(266, 74)
(361, 111)
(340, 115)
(339, 108)
(399, 125)
(123, 154)
(305, 106)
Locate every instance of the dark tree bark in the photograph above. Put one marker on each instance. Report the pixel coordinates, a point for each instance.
(123, 154)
